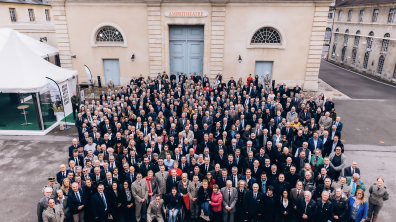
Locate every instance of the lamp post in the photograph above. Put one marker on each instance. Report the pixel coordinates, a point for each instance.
(240, 59)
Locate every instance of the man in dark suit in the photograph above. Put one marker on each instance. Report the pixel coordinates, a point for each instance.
(280, 185)
(306, 208)
(131, 176)
(108, 182)
(147, 166)
(99, 205)
(78, 160)
(76, 201)
(222, 180)
(349, 171)
(172, 181)
(256, 170)
(328, 167)
(206, 167)
(96, 176)
(62, 174)
(254, 204)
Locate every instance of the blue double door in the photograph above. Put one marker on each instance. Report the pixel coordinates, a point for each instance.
(262, 69)
(186, 49)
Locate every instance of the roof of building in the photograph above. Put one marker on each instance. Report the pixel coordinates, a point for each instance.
(343, 3)
(32, 2)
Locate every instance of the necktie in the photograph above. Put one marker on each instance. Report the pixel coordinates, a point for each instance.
(53, 209)
(195, 185)
(207, 168)
(229, 195)
(298, 193)
(255, 196)
(109, 182)
(342, 187)
(224, 179)
(78, 198)
(104, 201)
(174, 180)
(146, 166)
(162, 174)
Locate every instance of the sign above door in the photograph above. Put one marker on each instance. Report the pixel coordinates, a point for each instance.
(186, 14)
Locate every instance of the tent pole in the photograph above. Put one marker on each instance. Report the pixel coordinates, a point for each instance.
(64, 114)
(39, 108)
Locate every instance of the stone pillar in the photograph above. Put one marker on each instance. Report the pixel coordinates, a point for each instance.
(155, 39)
(62, 33)
(316, 46)
(217, 40)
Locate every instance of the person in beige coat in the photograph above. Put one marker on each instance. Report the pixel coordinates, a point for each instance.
(192, 190)
(154, 209)
(161, 177)
(325, 121)
(140, 193)
(188, 134)
(53, 213)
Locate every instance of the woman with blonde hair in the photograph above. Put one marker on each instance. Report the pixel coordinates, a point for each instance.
(101, 158)
(307, 168)
(152, 136)
(66, 186)
(357, 207)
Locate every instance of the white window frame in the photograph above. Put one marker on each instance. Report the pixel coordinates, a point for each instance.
(327, 34)
(361, 15)
(331, 14)
(350, 15)
(391, 16)
(47, 15)
(339, 15)
(375, 15)
(31, 14)
(13, 15)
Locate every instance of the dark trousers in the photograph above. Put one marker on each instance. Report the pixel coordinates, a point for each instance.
(253, 218)
(217, 216)
(75, 109)
(284, 218)
(373, 212)
(337, 175)
(239, 214)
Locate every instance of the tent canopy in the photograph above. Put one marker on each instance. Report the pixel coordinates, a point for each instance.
(23, 71)
(41, 49)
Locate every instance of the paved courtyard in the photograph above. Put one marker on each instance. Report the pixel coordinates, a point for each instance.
(368, 134)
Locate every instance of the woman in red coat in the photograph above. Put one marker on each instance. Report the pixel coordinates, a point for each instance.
(249, 79)
(215, 203)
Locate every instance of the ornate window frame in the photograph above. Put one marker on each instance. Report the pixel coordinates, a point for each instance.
(115, 44)
(282, 35)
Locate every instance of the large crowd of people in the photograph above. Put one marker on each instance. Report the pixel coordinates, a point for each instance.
(178, 148)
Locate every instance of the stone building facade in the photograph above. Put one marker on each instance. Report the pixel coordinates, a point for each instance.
(363, 37)
(121, 39)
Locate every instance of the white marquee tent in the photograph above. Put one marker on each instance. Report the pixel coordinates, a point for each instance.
(23, 71)
(41, 49)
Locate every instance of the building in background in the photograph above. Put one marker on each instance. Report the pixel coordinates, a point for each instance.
(363, 37)
(121, 39)
(30, 17)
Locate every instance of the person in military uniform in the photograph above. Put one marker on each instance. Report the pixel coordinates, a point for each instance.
(43, 203)
(54, 185)
(53, 213)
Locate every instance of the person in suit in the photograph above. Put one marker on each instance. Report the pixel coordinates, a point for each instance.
(161, 178)
(315, 143)
(295, 195)
(341, 184)
(230, 197)
(147, 166)
(340, 206)
(248, 149)
(222, 180)
(328, 167)
(155, 209)
(254, 204)
(206, 167)
(325, 121)
(61, 199)
(62, 174)
(324, 208)
(77, 201)
(43, 203)
(192, 191)
(349, 171)
(358, 201)
(248, 178)
(140, 193)
(207, 120)
(172, 181)
(53, 213)
(99, 204)
(378, 195)
(306, 208)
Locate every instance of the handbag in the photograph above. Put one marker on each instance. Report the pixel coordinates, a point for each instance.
(110, 217)
(206, 218)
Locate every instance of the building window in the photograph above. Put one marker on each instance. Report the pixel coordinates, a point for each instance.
(365, 61)
(380, 65)
(357, 38)
(13, 15)
(370, 41)
(336, 36)
(385, 42)
(350, 15)
(361, 15)
(394, 73)
(354, 52)
(334, 51)
(331, 12)
(109, 34)
(327, 33)
(391, 15)
(266, 35)
(375, 15)
(343, 54)
(31, 14)
(339, 15)
(47, 15)
(346, 37)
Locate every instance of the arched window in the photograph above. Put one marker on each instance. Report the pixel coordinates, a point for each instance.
(385, 42)
(266, 35)
(343, 54)
(370, 41)
(354, 52)
(333, 53)
(109, 34)
(394, 73)
(327, 34)
(365, 61)
(346, 37)
(337, 30)
(380, 65)
(357, 38)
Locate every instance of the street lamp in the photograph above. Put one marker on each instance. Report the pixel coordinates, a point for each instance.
(240, 59)
(133, 57)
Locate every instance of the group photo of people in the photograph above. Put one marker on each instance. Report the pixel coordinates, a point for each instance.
(188, 148)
